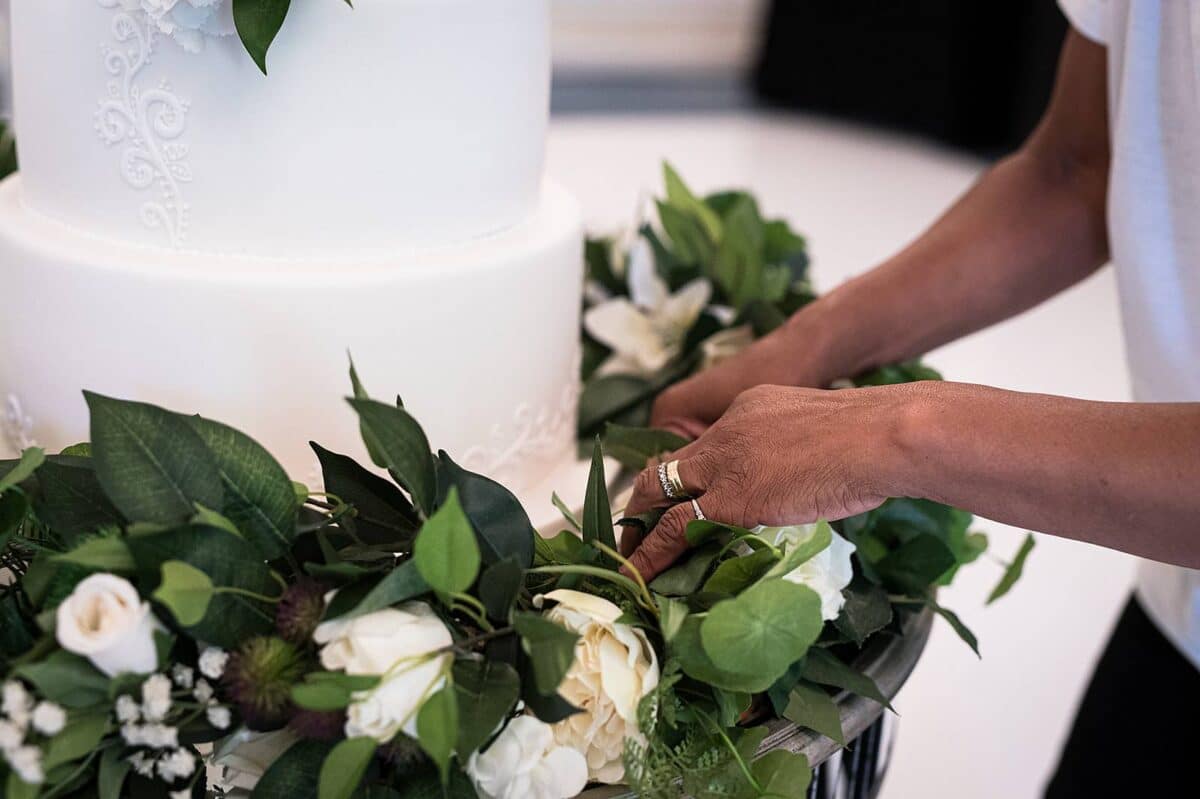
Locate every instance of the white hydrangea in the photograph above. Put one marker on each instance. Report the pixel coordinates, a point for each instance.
(17, 703)
(49, 718)
(127, 709)
(212, 662)
(188, 22)
(26, 761)
(156, 697)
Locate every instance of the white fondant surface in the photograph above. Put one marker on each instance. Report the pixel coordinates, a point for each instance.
(395, 123)
(480, 339)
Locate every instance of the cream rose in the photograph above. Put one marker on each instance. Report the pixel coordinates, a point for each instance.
(524, 762)
(614, 667)
(828, 572)
(105, 621)
(397, 644)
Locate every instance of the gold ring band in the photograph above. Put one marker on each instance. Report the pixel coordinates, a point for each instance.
(673, 478)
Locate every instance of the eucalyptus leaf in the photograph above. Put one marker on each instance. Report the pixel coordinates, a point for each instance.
(344, 768)
(686, 577)
(915, 565)
(151, 464)
(446, 552)
(763, 630)
(956, 624)
(736, 574)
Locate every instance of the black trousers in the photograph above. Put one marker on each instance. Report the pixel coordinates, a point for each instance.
(1141, 708)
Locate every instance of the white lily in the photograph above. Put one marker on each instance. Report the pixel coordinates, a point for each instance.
(647, 329)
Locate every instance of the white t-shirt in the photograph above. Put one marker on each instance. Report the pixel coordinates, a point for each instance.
(1154, 230)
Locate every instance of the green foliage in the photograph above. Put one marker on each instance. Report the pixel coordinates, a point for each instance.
(107, 552)
(445, 551)
(70, 499)
(66, 679)
(185, 591)
(486, 692)
(501, 524)
(437, 729)
(23, 469)
(634, 446)
(809, 706)
(1013, 573)
(399, 585)
(550, 648)
(597, 510)
(296, 773)
(399, 445)
(258, 22)
(344, 768)
(824, 668)
(382, 513)
(763, 630)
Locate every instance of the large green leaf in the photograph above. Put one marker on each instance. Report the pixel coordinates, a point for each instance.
(383, 515)
(609, 397)
(79, 738)
(634, 446)
(110, 777)
(259, 498)
(402, 448)
(66, 679)
(811, 707)
(783, 774)
(824, 668)
(487, 690)
(13, 508)
(867, 610)
(1013, 573)
(499, 586)
(23, 469)
(70, 499)
(681, 197)
(915, 565)
(399, 585)
(151, 463)
(344, 768)
(185, 591)
(107, 553)
(501, 524)
(736, 574)
(258, 22)
(228, 561)
(688, 649)
(690, 241)
(738, 267)
(597, 511)
(686, 578)
(296, 773)
(550, 648)
(956, 624)
(763, 630)
(446, 552)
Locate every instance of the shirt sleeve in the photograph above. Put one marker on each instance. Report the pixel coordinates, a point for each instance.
(1089, 17)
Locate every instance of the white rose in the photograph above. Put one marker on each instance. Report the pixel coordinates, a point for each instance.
(398, 644)
(188, 22)
(525, 763)
(828, 572)
(614, 667)
(106, 621)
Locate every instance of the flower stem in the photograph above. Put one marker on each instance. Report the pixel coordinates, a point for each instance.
(602, 574)
(637, 575)
(229, 589)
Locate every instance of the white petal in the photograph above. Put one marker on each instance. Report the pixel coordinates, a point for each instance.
(646, 288)
(568, 771)
(684, 307)
(593, 606)
(623, 328)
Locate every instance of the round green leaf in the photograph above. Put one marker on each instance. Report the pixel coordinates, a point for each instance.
(768, 627)
(446, 552)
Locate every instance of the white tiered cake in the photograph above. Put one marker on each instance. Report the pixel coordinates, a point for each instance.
(187, 231)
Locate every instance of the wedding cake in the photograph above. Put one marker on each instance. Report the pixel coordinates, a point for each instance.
(187, 231)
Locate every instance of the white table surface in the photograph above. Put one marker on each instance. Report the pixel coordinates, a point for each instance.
(969, 728)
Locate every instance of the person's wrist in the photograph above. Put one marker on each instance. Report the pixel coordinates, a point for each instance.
(807, 343)
(910, 425)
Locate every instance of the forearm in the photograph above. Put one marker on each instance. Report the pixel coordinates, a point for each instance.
(1121, 475)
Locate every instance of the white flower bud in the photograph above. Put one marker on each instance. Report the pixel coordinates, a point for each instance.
(156, 697)
(212, 662)
(49, 718)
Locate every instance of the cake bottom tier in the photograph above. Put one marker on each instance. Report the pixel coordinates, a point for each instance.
(480, 340)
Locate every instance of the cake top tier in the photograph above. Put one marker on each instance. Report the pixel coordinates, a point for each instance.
(397, 123)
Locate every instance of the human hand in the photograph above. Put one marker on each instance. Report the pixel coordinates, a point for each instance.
(778, 456)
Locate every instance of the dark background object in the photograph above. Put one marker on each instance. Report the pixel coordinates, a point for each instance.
(974, 75)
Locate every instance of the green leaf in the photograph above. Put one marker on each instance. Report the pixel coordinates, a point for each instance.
(383, 515)
(151, 464)
(112, 773)
(688, 649)
(107, 553)
(956, 624)
(634, 446)
(685, 578)
(764, 630)
(344, 768)
(326, 691)
(258, 22)
(229, 562)
(867, 610)
(501, 524)
(824, 668)
(399, 585)
(566, 548)
(609, 397)
(738, 267)
(31, 460)
(915, 565)
(70, 499)
(208, 517)
(14, 788)
(811, 707)
(79, 738)
(689, 239)
(805, 551)
(499, 587)
(672, 614)
(550, 647)
(566, 512)
(296, 773)
(680, 196)
(1014, 570)
(401, 447)
(445, 551)
(486, 691)
(185, 591)
(736, 574)
(66, 679)
(14, 506)
(783, 774)
(597, 511)
(437, 729)
(259, 498)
